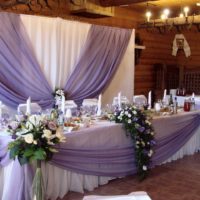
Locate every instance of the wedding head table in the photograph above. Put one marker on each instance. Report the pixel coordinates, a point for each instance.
(93, 156)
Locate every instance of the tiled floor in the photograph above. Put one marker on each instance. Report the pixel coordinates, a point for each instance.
(179, 180)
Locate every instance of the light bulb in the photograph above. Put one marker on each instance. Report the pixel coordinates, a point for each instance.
(181, 15)
(163, 17)
(166, 12)
(186, 10)
(148, 15)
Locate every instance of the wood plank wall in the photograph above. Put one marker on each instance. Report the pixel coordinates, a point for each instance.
(158, 46)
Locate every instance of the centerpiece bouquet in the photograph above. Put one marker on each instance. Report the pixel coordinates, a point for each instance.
(58, 94)
(138, 126)
(36, 137)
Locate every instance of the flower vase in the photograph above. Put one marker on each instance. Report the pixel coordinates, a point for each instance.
(38, 184)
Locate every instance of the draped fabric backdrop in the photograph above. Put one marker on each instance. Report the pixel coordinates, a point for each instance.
(85, 67)
(71, 41)
(99, 61)
(57, 44)
(20, 73)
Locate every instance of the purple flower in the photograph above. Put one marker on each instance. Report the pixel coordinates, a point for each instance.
(52, 125)
(152, 142)
(141, 129)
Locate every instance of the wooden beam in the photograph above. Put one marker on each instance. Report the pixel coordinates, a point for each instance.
(120, 2)
(10, 3)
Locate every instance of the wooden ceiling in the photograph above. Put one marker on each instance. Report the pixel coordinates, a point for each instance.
(175, 7)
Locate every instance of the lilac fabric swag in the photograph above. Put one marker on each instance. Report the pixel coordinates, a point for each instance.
(116, 161)
(20, 73)
(100, 58)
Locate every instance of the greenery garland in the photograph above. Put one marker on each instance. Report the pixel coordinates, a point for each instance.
(138, 126)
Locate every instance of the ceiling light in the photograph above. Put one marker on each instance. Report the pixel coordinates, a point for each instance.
(148, 15)
(186, 10)
(166, 12)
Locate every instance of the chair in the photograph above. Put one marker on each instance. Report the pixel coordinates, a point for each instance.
(90, 102)
(35, 108)
(132, 196)
(70, 104)
(124, 100)
(139, 100)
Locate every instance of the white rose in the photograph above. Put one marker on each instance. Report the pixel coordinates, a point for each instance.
(129, 121)
(35, 142)
(129, 115)
(150, 153)
(134, 112)
(29, 138)
(126, 113)
(47, 134)
(148, 122)
(152, 133)
(35, 119)
(144, 167)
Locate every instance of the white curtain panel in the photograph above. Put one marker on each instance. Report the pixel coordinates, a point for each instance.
(57, 44)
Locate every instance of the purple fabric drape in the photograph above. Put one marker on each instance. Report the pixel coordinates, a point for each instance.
(102, 54)
(115, 161)
(121, 159)
(20, 73)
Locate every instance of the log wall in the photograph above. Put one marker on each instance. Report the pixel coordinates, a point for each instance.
(158, 46)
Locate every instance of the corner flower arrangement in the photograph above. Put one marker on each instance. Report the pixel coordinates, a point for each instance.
(36, 137)
(138, 126)
(58, 93)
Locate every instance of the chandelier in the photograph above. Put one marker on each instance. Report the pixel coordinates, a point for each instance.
(165, 23)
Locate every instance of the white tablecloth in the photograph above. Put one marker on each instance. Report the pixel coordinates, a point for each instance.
(59, 181)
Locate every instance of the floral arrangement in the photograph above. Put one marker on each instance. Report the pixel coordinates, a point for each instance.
(58, 93)
(35, 139)
(138, 126)
(37, 136)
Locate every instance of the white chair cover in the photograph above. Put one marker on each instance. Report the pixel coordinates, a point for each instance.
(90, 102)
(35, 108)
(124, 100)
(70, 104)
(139, 100)
(132, 196)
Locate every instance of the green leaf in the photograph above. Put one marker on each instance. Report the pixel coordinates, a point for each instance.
(14, 151)
(40, 154)
(28, 152)
(22, 160)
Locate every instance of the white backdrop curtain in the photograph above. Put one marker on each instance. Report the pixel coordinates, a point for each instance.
(57, 44)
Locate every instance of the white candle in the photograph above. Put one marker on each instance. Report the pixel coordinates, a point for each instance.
(149, 100)
(164, 95)
(193, 95)
(68, 113)
(63, 104)
(28, 106)
(99, 105)
(119, 99)
(0, 109)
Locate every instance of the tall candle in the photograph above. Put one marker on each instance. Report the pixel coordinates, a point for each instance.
(99, 105)
(119, 99)
(63, 104)
(193, 95)
(164, 95)
(0, 109)
(28, 106)
(149, 100)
